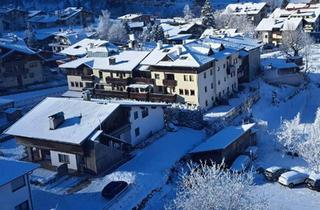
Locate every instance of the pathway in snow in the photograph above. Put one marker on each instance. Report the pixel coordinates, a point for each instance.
(146, 171)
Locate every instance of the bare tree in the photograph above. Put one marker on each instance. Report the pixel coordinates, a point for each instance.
(104, 24)
(294, 40)
(208, 187)
(188, 15)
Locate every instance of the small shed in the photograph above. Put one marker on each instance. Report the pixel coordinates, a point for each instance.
(225, 145)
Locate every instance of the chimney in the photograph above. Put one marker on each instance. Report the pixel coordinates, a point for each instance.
(159, 45)
(56, 120)
(112, 60)
(86, 95)
(179, 50)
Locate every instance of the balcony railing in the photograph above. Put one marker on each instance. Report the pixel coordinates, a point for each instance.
(117, 81)
(162, 97)
(168, 82)
(143, 80)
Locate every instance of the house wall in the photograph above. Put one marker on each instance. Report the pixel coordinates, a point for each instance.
(254, 63)
(75, 83)
(206, 88)
(54, 155)
(148, 125)
(9, 200)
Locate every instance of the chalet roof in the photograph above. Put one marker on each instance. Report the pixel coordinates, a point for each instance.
(81, 48)
(15, 43)
(82, 118)
(12, 169)
(73, 36)
(269, 24)
(223, 138)
(193, 54)
(238, 42)
(129, 16)
(247, 8)
(125, 61)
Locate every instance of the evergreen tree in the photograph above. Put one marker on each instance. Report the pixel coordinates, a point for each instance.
(284, 4)
(207, 14)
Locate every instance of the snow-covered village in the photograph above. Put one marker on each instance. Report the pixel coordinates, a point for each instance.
(159, 104)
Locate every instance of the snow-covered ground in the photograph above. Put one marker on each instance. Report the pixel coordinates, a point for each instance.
(10, 149)
(147, 171)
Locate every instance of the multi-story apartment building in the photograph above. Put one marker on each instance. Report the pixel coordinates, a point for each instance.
(14, 184)
(293, 17)
(19, 65)
(199, 73)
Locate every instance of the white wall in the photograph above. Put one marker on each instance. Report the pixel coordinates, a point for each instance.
(152, 123)
(9, 199)
(55, 159)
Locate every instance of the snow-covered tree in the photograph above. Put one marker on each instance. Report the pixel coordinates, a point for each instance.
(284, 3)
(310, 149)
(207, 14)
(145, 35)
(289, 135)
(117, 33)
(294, 40)
(211, 187)
(157, 33)
(104, 24)
(188, 15)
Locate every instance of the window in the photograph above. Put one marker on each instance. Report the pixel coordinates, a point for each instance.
(210, 71)
(218, 68)
(212, 98)
(205, 89)
(81, 85)
(157, 76)
(205, 75)
(77, 84)
(218, 82)
(211, 85)
(225, 79)
(185, 77)
(100, 75)
(186, 92)
(145, 112)
(22, 206)
(192, 92)
(224, 65)
(206, 102)
(137, 131)
(191, 78)
(72, 84)
(135, 115)
(18, 183)
(180, 91)
(63, 158)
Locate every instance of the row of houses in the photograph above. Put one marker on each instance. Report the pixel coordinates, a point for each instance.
(14, 19)
(200, 73)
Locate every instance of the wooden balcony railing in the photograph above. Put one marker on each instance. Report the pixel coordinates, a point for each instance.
(168, 82)
(117, 81)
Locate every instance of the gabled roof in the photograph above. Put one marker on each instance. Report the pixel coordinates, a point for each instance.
(81, 48)
(247, 8)
(125, 61)
(82, 118)
(223, 139)
(237, 42)
(12, 169)
(15, 43)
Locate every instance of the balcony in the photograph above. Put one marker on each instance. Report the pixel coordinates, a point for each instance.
(231, 69)
(139, 96)
(117, 81)
(87, 78)
(143, 80)
(162, 98)
(109, 94)
(169, 82)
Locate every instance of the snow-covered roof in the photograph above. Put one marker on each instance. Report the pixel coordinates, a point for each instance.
(223, 138)
(237, 42)
(277, 63)
(5, 101)
(136, 24)
(240, 163)
(12, 169)
(174, 30)
(211, 32)
(192, 54)
(81, 48)
(82, 118)
(15, 43)
(247, 8)
(129, 16)
(125, 61)
(74, 36)
(44, 19)
(269, 24)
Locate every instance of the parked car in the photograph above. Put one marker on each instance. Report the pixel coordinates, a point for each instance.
(252, 152)
(114, 188)
(313, 182)
(273, 173)
(241, 163)
(292, 178)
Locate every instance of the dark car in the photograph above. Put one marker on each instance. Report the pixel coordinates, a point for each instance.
(313, 182)
(273, 173)
(114, 188)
